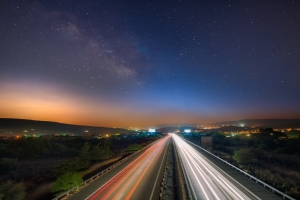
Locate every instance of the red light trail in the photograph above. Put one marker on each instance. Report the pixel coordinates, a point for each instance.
(124, 184)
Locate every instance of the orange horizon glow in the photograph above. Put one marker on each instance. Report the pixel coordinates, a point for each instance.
(52, 103)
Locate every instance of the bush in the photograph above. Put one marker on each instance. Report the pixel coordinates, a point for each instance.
(243, 156)
(12, 191)
(71, 165)
(66, 182)
(8, 164)
(134, 147)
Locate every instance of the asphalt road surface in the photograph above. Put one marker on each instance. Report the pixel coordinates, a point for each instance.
(208, 181)
(138, 178)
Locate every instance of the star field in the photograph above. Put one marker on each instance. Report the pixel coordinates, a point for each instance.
(149, 63)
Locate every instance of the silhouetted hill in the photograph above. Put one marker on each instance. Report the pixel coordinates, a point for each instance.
(274, 123)
(240, 125)
(232, 128)
(18, 126)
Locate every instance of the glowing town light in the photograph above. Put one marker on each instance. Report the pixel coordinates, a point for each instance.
(151, 130)
(187, 130)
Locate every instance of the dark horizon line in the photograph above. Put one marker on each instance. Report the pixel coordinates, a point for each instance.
(154, 126)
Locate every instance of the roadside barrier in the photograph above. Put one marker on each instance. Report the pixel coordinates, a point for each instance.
(274, 190)
(75, 189)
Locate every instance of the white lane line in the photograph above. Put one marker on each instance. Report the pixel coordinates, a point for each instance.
(159, 171)
(211, 171)
(120, 196)
(225, 178)
(220, 178)
(150, 148)
(191, 168)
(139, 172)
(204, 176)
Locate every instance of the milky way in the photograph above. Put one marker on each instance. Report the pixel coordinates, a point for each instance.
(138, 63)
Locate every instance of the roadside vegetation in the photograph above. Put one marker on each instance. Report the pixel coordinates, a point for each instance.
(11, 190)
(273, 157)
(40, 168)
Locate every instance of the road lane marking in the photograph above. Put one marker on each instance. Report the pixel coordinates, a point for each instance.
(139, 180)
(121, 172)
(214, 172)
(139, 172)
(128, 195)
(120, 196)
(158, 173)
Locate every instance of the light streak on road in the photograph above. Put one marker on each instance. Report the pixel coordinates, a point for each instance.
(207, 181)
(124, 184)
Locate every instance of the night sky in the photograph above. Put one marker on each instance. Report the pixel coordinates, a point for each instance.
(149, 63)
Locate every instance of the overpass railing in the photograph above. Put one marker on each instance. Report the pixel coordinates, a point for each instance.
(274, 190)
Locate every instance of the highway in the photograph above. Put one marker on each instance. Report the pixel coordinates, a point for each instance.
(140, 178)
(208, 181)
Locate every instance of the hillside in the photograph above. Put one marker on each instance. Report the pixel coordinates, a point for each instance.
(274, 123)
(18, 126)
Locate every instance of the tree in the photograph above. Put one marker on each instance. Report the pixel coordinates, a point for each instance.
(293, 134)
(101, 152)
(243, 156)
(71, 165)
(58, 149)
(8, 164)
(84, 153)
(97, 152)
(12, 191)
(28, 147)
(134, 147)
(107, 152)
(66, 182)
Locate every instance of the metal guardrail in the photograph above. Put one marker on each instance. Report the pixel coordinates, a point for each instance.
(284, 196)
(75, 189)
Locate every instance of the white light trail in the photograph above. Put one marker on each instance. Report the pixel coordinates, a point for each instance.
(207, 180)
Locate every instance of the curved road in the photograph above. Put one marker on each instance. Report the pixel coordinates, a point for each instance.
(139, 179)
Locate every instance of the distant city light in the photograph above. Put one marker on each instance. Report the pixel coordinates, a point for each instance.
(151, 130)
(187, 130)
